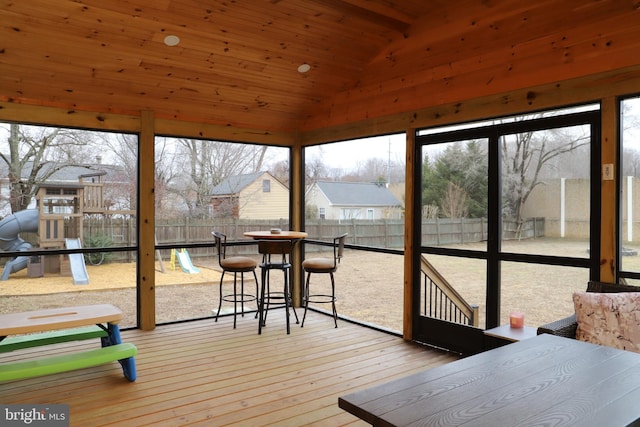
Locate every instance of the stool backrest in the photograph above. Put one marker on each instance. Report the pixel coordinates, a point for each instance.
(338, 247)
(221, 242)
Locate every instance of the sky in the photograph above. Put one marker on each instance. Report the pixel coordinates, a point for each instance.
(348, 154)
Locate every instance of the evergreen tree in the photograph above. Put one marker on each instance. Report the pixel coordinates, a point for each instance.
(456, 182)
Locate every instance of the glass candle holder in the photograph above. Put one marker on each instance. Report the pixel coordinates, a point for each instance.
(516, 319)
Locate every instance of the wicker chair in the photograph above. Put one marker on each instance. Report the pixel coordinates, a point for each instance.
(567, 326)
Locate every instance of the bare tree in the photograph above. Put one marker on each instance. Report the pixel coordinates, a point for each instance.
(186, 170)
(373, 169)
(454, 203)
(122, 191)
(280, 170)
(525, 155)
(207, 163)
(35, 154)
(376, 169)
(314, 171)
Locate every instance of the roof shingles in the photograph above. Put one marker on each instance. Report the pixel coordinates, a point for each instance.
(357, 193)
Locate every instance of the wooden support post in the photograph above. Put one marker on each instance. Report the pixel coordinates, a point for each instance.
(297, 220)
(410, 188)
(146, 224)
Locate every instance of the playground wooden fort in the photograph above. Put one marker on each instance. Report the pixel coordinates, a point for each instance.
(58, 221)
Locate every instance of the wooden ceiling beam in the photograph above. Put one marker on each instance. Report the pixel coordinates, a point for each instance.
(535, 98)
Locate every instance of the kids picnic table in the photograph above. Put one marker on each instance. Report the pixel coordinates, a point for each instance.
(57, 325)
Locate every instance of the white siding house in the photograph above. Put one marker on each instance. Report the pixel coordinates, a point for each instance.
(339, 200)
(256, 195)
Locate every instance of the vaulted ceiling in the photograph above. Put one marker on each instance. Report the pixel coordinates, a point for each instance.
(237, 61)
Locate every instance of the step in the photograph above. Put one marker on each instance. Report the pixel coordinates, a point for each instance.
(68, 362)
(53, 337)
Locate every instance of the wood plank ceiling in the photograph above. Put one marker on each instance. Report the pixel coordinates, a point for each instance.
(237, 60)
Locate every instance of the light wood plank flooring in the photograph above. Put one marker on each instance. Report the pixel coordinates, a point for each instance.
(206, 373)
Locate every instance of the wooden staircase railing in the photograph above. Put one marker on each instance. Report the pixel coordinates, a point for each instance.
(441, 301)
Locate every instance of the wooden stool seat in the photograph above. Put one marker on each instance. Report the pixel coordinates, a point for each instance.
(318, 265)
(238, 264)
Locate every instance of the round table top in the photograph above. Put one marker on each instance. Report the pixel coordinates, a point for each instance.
(284, 234)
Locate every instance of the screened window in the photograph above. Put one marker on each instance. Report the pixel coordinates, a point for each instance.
(506, 210)
(68, 189)
(357, 187)
(629, 202)
(230, 188)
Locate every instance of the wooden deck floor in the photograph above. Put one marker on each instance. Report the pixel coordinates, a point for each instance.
(206, 373)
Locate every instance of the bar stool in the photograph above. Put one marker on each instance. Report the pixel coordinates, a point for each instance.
(323, 266)
(275, 256)
(235, 265)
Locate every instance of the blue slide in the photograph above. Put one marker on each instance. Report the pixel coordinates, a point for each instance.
(185, 262)
(10, 240)
(76, 262)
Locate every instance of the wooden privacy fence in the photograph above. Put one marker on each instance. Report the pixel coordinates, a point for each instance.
(444, 231)
(376, 233)
(373, 233)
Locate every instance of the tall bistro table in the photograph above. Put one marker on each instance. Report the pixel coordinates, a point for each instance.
(542, 381)
(293, 236)
(282, 235)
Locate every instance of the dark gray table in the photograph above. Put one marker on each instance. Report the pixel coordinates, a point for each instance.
(542, 381)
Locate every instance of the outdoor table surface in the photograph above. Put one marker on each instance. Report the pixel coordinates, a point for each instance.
(508, 333)
(283, 235)
(58, 318)
(545, 380)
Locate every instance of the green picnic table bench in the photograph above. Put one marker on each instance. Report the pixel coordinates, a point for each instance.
(53, 326)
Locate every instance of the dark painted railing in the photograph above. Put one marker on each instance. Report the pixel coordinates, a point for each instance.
(439, 300)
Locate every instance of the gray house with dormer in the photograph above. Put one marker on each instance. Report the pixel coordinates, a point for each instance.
(338, 200)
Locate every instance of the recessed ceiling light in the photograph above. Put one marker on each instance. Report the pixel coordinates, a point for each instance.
(304, 68)
(171, 40)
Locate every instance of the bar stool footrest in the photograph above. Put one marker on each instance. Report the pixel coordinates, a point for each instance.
(320, 299)
(241, 298)
(275, 300)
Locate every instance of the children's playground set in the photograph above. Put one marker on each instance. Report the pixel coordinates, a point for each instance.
(58, 223)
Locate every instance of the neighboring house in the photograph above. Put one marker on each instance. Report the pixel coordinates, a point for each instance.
(353, 200)
(257, 195)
